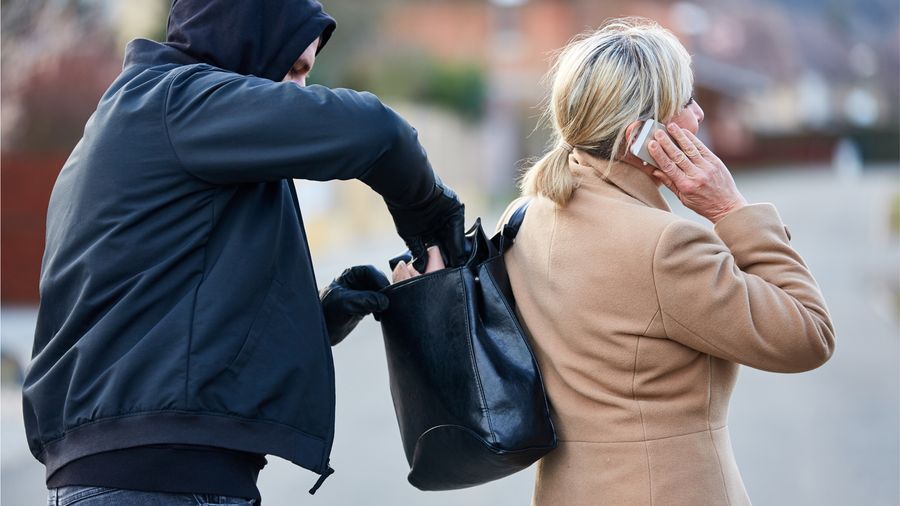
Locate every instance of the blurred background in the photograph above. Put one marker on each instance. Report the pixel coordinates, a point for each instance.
(802, 100)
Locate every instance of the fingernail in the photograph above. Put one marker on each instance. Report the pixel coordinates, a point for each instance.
(653, 145)
(672, 127)
(659, 134)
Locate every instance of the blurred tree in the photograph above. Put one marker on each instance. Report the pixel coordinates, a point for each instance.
(359, 56)
(417, 77)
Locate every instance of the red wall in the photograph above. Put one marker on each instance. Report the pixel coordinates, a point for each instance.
(25, 184)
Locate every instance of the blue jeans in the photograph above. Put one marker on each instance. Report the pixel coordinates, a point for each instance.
(100, 496)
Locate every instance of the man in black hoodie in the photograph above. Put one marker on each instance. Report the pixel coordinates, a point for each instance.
(180, 336)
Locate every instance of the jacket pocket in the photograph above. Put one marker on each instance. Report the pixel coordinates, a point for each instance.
(258, 327)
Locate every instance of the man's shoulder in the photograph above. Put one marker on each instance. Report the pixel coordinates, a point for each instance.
(149, 79)
(200, 74)
(189, 83)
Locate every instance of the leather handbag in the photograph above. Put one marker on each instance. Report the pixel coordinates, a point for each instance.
(466, 387)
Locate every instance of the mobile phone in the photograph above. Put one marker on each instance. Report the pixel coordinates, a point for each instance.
(639, 146)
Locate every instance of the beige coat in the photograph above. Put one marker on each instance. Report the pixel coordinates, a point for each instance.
(639, 319)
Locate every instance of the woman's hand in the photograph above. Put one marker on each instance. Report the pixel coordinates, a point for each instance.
(694, 174)
(404, 270)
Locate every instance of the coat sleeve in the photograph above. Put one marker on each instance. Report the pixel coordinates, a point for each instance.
(742, 294)
(227, 128)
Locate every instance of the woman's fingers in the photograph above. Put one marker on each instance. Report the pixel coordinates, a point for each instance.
(701, 148)
(435, 261)
(399, 273)
(674, 153)
(691, 150)
(403, 271)
(668, 167)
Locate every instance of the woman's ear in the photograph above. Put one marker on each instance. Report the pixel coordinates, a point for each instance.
(631, 132)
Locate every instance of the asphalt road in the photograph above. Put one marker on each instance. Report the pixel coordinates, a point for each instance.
(828, 437)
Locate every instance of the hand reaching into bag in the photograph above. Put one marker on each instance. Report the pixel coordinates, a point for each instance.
(405, 271)
(695, 174)
(440, 220)
(350, 297)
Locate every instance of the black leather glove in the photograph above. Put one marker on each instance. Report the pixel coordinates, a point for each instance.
(439, 220)
(350, 297)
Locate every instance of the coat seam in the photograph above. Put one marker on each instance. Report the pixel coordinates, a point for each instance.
(638, 402)
(190, 340)
(165, 123)
(649, 440)
(653, 280)
(550, 242)
(709, 429)
(165, 120)
(708, 388)
(712, 345)
(719, 461)
(662, 312)
(647, 329)
(641, 416)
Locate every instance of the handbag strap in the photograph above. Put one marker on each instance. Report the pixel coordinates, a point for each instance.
(511, 228)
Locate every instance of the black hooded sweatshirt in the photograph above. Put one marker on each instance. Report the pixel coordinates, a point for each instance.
(180, 327)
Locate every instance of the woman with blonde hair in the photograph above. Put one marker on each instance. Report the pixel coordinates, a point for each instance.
(639, 318)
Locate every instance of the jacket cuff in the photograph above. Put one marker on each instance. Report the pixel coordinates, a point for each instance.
(751, 227)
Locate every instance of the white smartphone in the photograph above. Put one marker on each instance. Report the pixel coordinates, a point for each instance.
(644, 136)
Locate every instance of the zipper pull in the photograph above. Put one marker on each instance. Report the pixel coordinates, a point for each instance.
(328, 472)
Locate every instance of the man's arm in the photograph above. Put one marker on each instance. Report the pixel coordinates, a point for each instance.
(229, 129)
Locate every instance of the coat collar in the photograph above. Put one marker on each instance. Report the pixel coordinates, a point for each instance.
(627, 179)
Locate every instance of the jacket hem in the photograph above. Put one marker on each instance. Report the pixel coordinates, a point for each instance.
(222, 431)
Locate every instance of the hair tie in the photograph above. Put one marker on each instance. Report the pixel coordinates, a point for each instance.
(565, 145)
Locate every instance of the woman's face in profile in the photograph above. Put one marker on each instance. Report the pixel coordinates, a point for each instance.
(689, 117)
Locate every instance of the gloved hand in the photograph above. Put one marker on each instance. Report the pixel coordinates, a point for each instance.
(350, 297)
(439, 220)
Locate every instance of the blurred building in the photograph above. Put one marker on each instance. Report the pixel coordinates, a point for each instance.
(790, 76)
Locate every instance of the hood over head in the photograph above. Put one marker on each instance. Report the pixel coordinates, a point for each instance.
(259, 37)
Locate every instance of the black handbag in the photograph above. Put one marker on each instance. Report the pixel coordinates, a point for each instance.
(467, 390)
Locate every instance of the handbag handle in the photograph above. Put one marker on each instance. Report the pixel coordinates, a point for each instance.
(511, 228)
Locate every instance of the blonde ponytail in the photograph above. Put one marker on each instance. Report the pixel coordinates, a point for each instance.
(630, 69)
(550, 176)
